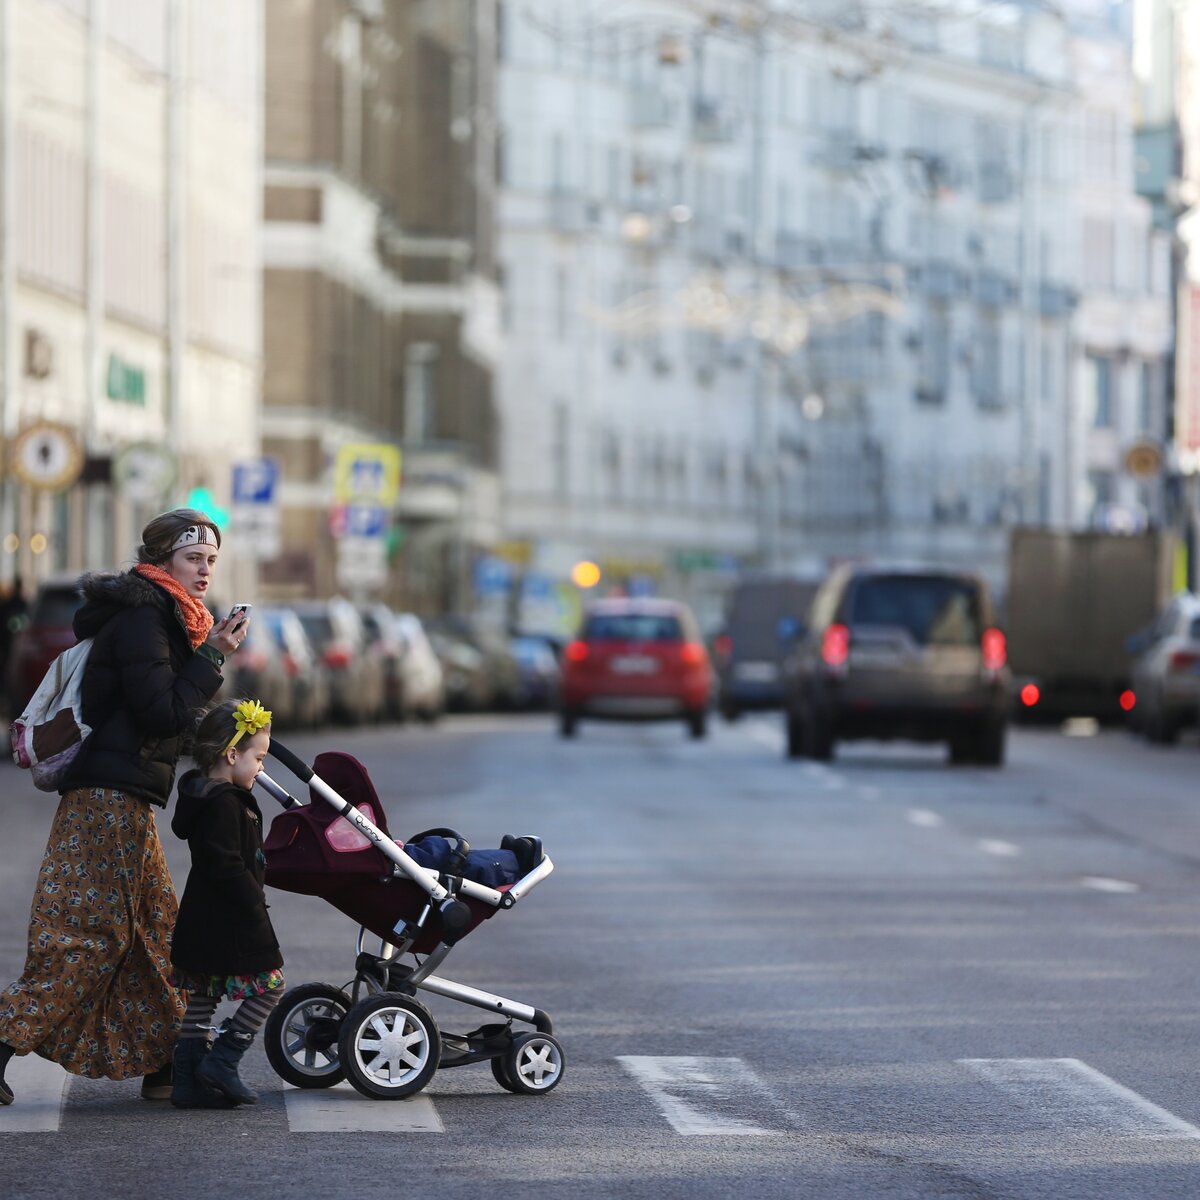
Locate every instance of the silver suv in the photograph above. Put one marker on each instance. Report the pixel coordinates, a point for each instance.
(904, 652)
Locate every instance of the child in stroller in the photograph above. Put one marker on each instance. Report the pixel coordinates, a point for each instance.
(419, 899)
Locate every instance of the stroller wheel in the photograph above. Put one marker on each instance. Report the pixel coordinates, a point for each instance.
(389, 1046)
(533, 1066)
(301, 1035)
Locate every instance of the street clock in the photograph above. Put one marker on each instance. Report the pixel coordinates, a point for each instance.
(47, 456)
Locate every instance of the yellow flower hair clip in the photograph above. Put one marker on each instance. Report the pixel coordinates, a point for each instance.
(250, 717)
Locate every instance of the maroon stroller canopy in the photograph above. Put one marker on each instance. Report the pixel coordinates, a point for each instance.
(314, 850)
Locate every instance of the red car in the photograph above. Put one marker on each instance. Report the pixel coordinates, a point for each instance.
(48, 633)
(636, 660)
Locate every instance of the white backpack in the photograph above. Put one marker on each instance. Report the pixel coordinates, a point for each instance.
(47, 736)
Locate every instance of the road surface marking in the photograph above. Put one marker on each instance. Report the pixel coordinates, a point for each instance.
(997, 847)
(701, 1095)
(341, 1109)
(925, 818)
(1101, 884)
(765, 735)
(1071, 1096)
(40, 1087)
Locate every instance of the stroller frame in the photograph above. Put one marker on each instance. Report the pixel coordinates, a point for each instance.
(376, 1022)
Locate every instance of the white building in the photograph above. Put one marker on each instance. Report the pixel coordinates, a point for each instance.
(129, 273)
(771, 283)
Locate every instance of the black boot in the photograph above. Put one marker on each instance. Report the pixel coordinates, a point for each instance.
(157, 1085)
(6, 1093)
(219, 1068)
(188, 1091)
(527, 849)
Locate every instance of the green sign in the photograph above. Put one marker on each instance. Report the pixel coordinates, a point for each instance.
(125, 382)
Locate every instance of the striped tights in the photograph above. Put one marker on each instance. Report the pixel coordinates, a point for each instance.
(250, 1017)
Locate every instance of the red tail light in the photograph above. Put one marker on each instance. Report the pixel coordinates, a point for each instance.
(835, 646)
(1128, 700)
(723, 645)
(1184, 660)
(576, 652)
(692, 654)
(995, 649)
(336, 656)
(290, 666)
(1030, 695)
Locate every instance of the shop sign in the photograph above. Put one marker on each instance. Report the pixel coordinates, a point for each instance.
(125, 381)
(367, 473)
(145, 471)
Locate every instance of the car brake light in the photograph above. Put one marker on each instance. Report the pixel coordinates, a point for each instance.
(1183, 660)
(576, 652)
(995, 649)
(290, 666)
(835, 646)
(336, 656)
(692, 654)
(723, 645)
(1128, 700)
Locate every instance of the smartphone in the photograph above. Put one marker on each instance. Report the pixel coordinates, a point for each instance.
(237, 614)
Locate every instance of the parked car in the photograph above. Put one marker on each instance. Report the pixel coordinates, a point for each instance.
(538, 666)
(636, 660)
(46, 635)
(356, 676)
(468, 684)
(503, 674)
(309, 676)
(764, 616)
(423, 685)
(379, 623)
(910, 652)
(257, 670)
(1165, 671)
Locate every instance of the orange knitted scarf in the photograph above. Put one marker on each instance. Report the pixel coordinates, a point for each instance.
(196, 617)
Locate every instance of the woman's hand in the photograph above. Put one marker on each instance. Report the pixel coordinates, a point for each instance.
(226, 636)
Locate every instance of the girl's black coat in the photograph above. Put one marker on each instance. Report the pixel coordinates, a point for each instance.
(143, 686)
(223, 927)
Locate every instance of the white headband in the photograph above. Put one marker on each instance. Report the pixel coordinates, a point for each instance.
(196, 535)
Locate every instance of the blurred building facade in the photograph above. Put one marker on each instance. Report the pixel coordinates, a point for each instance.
(380, 304)
(130, 151)
(781, 288)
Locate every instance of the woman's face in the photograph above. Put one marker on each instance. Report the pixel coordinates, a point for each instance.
(248, 758)
(192, 567)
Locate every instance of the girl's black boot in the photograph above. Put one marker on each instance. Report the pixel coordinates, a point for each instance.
(188, 1091)
(219, 1068)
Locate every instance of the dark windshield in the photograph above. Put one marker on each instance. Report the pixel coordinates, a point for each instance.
(631, 627)
(935, 611)
(318, 626)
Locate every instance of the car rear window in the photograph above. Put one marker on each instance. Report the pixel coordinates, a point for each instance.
(756, 610)
(935, 611)
(632, 627)
(56, 606)
(1194, 632)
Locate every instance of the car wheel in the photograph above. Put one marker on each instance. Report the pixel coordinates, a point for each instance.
(795, 737)
(698, 724)
(730, 712)
(567, 721)
(989, 748)
(818, 737)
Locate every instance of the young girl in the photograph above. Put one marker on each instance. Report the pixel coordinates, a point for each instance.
(224, 946)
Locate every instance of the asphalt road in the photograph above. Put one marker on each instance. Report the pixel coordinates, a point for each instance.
(881, 977)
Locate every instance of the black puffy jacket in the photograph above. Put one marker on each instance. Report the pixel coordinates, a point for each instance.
(143, 687)
(223, 927)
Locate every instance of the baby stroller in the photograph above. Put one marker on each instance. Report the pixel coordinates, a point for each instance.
(374, 1031)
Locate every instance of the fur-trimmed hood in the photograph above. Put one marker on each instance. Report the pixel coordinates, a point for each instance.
(106, 593)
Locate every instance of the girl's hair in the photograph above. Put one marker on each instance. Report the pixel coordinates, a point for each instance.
(215, 733)
(159, 536)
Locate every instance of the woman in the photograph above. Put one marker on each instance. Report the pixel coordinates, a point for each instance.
(96, 995)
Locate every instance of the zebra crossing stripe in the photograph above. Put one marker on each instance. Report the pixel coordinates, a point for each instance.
(703, 1095)
(341, 1109)
(1072, 1097)
(41, 1088)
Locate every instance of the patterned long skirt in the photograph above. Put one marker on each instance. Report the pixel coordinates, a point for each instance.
(96, 995)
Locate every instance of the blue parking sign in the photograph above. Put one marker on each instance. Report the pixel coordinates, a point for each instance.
(256, 481)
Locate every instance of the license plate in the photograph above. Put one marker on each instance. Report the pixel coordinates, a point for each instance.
(635, 664)
(757, 672)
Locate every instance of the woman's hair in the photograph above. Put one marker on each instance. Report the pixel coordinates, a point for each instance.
(160, 535)
(216, 731)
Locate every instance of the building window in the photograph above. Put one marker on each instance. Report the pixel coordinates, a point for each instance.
(562, 291)
(560, 449)
(1099, 376)
(987, 365)
(933, 371)
(420, 391)
(1146, 405)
